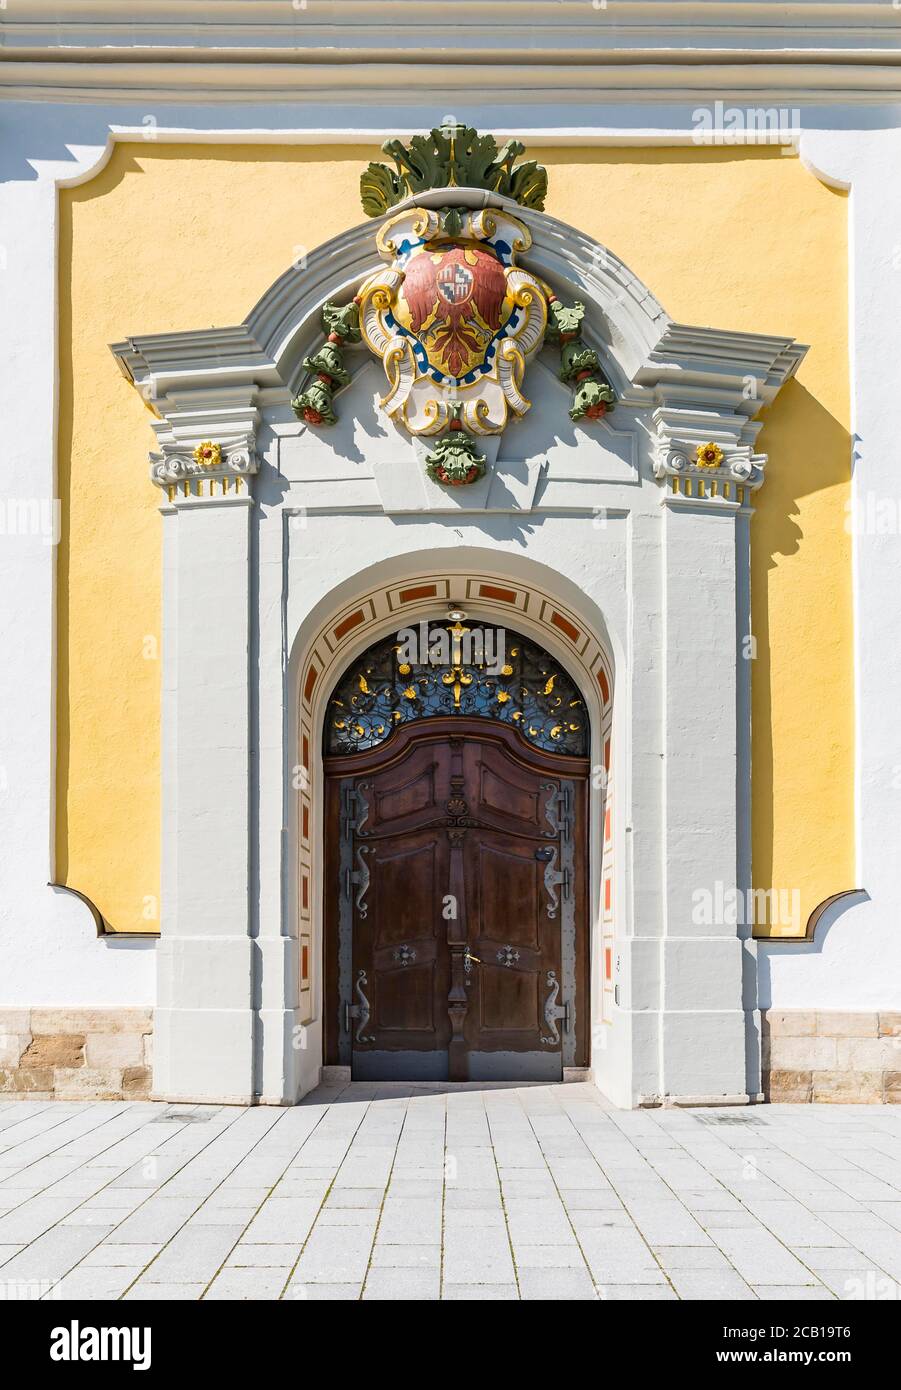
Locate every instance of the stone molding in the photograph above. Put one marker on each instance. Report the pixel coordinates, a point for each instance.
(365, 52)
(196, 398)
(708, 387)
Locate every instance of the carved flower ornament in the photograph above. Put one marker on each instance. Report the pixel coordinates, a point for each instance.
(709, 455)
(208, 455)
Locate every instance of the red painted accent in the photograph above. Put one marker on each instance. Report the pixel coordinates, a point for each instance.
(471, 475)
(424, 591)
(608, 963)
(607, 824)
(312, 677)
(607, 755)
(305, 892)
(348, 624)
(305, 964)
(605, 688)
(492, 591)
(305, 751)
(606, 894)
(565, 626)
(305, 822)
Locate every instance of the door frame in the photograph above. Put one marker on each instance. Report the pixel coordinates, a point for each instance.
(336, 768)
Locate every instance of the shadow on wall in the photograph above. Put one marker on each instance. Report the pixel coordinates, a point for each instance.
(815, 720)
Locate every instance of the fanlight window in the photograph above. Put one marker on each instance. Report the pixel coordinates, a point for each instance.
(456, 667)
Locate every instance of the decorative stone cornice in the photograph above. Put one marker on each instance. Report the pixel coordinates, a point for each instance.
(185, 473)
(707, 388)
(373, 53)
(204, 390)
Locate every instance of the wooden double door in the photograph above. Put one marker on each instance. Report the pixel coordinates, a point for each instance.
(456, 932)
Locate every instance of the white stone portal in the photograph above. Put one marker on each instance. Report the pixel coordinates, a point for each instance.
(621, 550)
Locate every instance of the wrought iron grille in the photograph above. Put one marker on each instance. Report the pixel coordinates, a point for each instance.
(456, 669)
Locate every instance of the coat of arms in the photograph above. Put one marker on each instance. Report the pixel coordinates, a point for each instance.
(452, 316)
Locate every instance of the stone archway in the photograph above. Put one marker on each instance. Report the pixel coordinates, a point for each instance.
(408, 593)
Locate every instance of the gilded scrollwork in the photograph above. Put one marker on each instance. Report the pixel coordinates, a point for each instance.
(527, 689)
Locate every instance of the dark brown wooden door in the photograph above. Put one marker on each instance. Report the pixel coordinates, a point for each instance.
(456, 921)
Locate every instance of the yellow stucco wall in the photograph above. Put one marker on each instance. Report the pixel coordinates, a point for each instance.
(182, 237)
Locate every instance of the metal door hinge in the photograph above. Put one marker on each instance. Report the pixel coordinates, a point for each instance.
(359, 1012)
(553, 1010)
(559, 810)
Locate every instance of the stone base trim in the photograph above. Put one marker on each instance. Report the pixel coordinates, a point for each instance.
(851, 1058)
(75, 1054)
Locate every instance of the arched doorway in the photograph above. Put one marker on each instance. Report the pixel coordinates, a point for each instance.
(456, 867)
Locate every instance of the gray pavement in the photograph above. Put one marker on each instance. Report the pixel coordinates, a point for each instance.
(451, 1192)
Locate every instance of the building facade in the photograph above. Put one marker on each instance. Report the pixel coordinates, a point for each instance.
(450, 533)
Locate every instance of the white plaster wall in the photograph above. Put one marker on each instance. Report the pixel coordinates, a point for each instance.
(855, 961)
(49, 950)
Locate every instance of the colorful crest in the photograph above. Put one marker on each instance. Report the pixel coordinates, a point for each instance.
(453, 318)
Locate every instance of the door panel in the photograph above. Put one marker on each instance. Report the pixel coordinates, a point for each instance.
(459, 925)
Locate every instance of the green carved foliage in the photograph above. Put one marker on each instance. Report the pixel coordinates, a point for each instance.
(314, 405)
(341, 324)
(592, 399)
(575, 358)
(563, 321)
(342, 319)
(330, 361)
(455, 460)
(453, 155)
(380, 189)
(580, 366)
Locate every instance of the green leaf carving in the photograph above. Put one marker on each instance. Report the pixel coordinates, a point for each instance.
(452, 155)
(380, 189)
(455, 460)
(343, 320)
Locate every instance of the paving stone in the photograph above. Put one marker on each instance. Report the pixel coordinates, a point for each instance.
(691, 1257)
(388, 1256)
(110, 1256)
(354, 1197)
(548, 1256)
(260, 1256)
(590, 1199)
(760, 1258)
(403, 1284)
(813, 1294)
(317, 1293)
(631, 1293)
(246, 1284)
(479, 1293)
(195, 1253)
(557, 1284)
(726, 1285)
(335, 1255)
(96, 1282)
(168, 1293)
(282, 1219)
